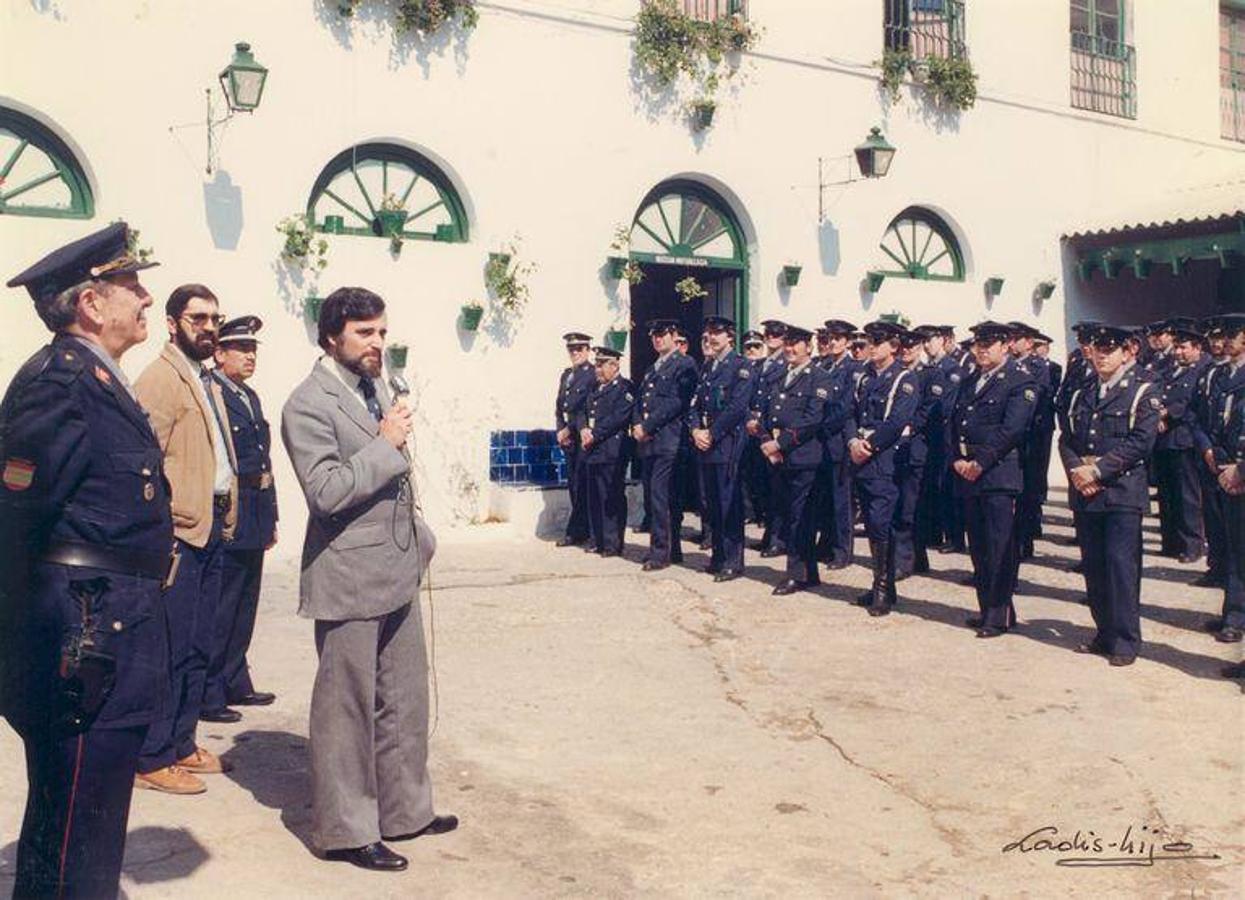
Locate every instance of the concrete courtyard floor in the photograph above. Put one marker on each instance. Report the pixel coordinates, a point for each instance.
(603, 732)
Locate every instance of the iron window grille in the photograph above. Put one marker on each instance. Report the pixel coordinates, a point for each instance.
(1232, 73)
(1104, 66)
(925, 28)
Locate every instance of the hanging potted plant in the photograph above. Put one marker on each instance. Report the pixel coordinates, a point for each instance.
(302, 248)
(390, 220)
(690, 289)
(506, 279)
(623, 266)
(791, 274)
(471, 313)
(395, 355)
(702, 112)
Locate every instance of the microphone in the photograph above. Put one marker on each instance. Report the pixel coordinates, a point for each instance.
(399, 385)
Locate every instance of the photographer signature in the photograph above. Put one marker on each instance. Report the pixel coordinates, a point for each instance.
(1136, 847)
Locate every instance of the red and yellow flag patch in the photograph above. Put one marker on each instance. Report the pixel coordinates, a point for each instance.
(18, 474)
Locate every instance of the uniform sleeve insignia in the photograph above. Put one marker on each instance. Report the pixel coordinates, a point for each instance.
(629, 398)
(745, 372)
(18, 474)
(955, 376)
(1155, 403)
(103, 375)
(822, 393)
(936, 390)
(907, 388)
(1030, 395)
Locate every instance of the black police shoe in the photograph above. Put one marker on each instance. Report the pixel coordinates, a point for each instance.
(652, 565)
(375, 857)
(989, 631)
(790, 586)
(224, 715)
(1119, 659)
(1229, 634)
(771, 552)
(728, 575)
(568, 542)
(438, 825)
(254, 698)
(1094, 647)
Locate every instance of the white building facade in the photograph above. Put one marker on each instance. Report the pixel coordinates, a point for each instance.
(1099, 174)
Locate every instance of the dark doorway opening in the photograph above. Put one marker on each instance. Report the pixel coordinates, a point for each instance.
(656, 298)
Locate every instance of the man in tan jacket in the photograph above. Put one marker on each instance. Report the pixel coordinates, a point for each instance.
(186, 412)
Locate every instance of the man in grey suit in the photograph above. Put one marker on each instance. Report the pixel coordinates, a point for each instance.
(364, 554)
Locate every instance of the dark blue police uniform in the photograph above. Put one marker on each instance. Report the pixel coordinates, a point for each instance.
(574, 385)
(991, 419)
(913, 514)
(882, 413)
(1218, 436)
(834, 481)
(1035, 455)
(228, 675)
(1176, 464)
(1112, 429)
(948, 530)
(664, 395)
(1206, 421)
(720, 405)
(1230, 451)
(608, 414)
(86, 533)
(769, 372)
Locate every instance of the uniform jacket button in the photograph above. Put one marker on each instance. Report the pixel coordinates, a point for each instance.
(117, 626)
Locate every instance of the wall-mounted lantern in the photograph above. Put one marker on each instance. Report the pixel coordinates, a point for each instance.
(873, 157)
(242, 81)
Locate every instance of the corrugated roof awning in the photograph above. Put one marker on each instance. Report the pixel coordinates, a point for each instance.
(1197, 205)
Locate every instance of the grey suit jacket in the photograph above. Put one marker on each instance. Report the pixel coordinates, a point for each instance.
(366, 548)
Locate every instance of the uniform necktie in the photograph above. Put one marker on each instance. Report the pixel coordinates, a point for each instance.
(206, 377)
(368, 387)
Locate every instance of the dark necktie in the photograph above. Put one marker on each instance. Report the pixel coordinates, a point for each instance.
(368, 387)
(206, 377)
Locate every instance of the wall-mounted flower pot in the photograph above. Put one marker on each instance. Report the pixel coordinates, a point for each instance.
(311, 308)
(1044, 290)
(702, 115)
(994, 285)
(334, 224)
(616, 339)
(791, 275)
(618, 266)
(446, 233)
(873, 281)
(395, 355)
(390, 221)
(471, 316)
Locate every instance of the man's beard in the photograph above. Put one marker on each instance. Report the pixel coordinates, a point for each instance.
(196, 350)
(363, 366)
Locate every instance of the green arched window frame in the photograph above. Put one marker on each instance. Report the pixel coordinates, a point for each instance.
(39, 174)
(922, 246)
(682, 222)
(349, 194)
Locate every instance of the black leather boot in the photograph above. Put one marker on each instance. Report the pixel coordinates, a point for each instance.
(883, 577)
(866, 599)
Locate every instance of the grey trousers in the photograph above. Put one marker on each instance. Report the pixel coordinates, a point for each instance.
(369, 730)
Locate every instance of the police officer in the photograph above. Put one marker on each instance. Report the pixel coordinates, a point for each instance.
(886, 401)
(607, 450)
(913, 516)
(770, 372)
(86, 533)
(755, 468)
(657, 427)
(1034, 457)
(716, 422)
(1175, 458)
(992, 415)
(1220, 446)
(1231, 482)
(228, 676)
(1214, 522)
(1112, 424)
(576, 382)
(943, 518)
(833, 495)
(795, 416)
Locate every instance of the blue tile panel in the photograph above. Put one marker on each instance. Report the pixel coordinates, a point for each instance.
(526, 457)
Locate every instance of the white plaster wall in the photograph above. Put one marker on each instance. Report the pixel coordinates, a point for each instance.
(539, 124)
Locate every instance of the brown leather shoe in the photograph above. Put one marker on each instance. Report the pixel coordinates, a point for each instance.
(204, 762)
(170, 780)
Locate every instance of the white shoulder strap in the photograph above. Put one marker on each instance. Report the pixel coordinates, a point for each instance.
(890, 398)
(1132, 410)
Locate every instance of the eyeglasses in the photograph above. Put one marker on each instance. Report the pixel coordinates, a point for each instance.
(200, 319)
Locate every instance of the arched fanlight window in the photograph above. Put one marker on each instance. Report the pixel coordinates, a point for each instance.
(921, 245)
(365, 181)
(682, 222)
(39, 174)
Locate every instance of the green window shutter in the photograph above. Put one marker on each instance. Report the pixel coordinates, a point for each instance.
(349, 195)
(39, 174)
(919, 244)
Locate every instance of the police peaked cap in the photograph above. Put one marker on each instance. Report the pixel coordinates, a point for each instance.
(882, 330)
(577, 339)
(773, 328)
(606, 353)
(719, 323)
(839, 327)
(795, 334)
(242, 328)
(662, 326)
(101, 254)
(991, 331)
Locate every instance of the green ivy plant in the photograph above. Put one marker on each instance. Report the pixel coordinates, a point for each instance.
(506, 278)
(303, 247)
(690, 289)
(142, 254)
(950, 81)
(631, 269)
(670, 43)
(423, 16)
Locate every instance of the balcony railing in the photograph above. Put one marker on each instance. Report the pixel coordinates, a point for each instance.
(1232, 111)
(1104, 77)
(925, 27)
(711, 10)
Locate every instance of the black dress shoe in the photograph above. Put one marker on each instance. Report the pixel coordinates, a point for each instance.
(876, 611)
(771, 552)
(989, 631)
(567, 542)
(591, 548)
(376, 857)
(841, 562)
(652, 565)
(1229, 634)
(1119, 659)
(790, 586)
(224, 715)
(438, 825)
(727, 575)
(1189, 557)
(974, 621)
(1093, 647)
(254, 698)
